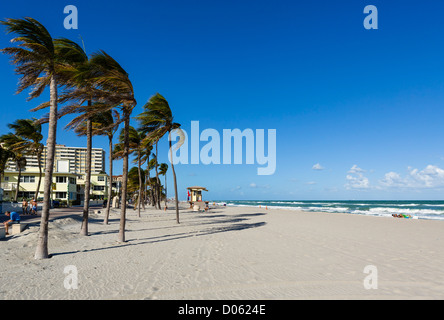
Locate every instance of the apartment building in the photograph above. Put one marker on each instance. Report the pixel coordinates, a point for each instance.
(75, 156)
(68, 182)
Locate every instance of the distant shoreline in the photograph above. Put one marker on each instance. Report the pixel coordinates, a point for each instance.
(416, 209)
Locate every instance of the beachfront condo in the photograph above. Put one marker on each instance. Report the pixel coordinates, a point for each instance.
(68, 182)
(73, 157)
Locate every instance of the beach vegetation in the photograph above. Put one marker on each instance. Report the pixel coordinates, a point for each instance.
(15, 144)
(136, 148)
(163, 168)
(104, 85)
(98, 92)
(30, 131)
(157, 120)
(37, 65)
(103, 124)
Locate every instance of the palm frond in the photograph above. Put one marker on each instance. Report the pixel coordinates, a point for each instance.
(34, 57)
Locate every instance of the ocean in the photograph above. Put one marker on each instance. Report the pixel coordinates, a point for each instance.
(432, 210)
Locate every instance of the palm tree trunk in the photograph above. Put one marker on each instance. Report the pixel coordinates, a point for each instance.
(159, 192)
(84, 228)
(166, 193)
(19, 167)
(39, 155)
(175, 181)
(148, 181)
(140, 184)
(42, 244)
(143, 191)
(152, 193)
(124, 177)
(110, 183)
(143, 197)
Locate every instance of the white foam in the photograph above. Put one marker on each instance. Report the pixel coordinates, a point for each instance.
(382, 210)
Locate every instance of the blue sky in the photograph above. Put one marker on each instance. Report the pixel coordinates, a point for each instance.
(358, 113)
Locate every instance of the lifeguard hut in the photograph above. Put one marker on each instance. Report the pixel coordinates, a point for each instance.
(195, 198)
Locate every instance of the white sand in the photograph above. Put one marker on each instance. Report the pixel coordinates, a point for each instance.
(230, 253)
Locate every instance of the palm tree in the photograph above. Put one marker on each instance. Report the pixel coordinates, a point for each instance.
(154, 183)
(163, 168)
(16, 145)
(104, 124)
(157, 120)
(102, 84)
(78, 76)
(146, 153)
(135, 147)
(30, 130)
(156, 192)
(5, 155)
(133, 181)
(36, 63)
(117, 90)
(158, 185)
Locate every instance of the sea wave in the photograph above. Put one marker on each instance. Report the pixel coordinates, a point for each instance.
(433, 210)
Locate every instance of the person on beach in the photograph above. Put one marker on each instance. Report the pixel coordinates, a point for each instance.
(405, 216)
(24, 206)
(14, 218)
(33, 207)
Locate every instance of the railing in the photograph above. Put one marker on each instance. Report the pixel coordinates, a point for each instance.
(8, 186)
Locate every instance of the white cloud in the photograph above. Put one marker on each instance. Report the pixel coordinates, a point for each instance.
(355, 169)
(254, 185)
(317, 166)
(356, 179)
(431, 177)
(392, 179)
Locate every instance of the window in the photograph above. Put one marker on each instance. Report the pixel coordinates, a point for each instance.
(27, 179)
(26, 194)
(101, 178)
(60, 195)
(60, 179)
(72, 180)
(99, 188)
(6, 178)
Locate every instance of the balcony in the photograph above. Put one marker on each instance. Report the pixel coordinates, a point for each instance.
(7, 186)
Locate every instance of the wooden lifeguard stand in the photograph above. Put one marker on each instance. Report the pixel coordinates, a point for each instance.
(195, 194)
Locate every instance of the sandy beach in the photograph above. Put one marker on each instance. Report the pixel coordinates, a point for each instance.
(229, 253)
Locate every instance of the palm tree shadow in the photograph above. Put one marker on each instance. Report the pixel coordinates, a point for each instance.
(173, 236)
(209, 231)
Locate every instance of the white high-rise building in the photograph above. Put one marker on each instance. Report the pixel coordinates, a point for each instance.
(68, 159)
(68, 175)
